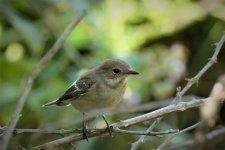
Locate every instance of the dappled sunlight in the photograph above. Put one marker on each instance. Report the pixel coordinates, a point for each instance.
(14, 52)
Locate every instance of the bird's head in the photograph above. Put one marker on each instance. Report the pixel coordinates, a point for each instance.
(114, 71)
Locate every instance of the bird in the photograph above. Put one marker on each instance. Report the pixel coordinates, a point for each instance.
(101, 87)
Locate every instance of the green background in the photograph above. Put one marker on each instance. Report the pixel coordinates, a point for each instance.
(165, 40)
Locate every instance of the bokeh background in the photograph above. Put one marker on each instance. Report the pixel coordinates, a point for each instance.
(165, 40)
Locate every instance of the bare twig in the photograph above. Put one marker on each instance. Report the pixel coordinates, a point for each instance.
(41, 131)
(215, 135)
(195, 79)
(117, 130)
(72, 145)
(161, 112)
(64, 132)
(135, 145)
(211, 61)
(125, 109)
(27, 88)
(119, 110)
(177, 134)
(129, 122)
(97, 132)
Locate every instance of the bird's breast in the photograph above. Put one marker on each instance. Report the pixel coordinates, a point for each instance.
(110, 95)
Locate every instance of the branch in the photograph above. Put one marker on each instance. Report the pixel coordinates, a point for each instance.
(195, 79)
(119, 110)
(116, 130)
(215, 135)
(41, 131)
(211, 61)
(181, 106)
(126, 123)
(100, 132)
(135, 144)
(166, 142)
(29, 83)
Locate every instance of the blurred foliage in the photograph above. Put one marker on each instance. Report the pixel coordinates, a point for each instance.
(165, 40)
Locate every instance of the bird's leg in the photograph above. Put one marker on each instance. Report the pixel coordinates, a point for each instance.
(109, 128)
(84, 129)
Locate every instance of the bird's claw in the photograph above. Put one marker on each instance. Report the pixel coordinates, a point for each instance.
(85, 132)
(84, 129)
(108, 128)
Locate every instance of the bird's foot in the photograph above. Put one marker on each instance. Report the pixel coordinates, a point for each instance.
(108, 128)
(85, 132)
(84, 129)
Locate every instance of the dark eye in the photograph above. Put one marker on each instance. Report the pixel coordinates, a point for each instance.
(116, 70)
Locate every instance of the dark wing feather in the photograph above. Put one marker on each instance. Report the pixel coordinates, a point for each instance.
(76, 90)
(71, 88)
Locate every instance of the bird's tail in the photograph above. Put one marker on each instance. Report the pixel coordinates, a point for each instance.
(50, 103)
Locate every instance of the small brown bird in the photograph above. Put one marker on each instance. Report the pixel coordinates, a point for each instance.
(100, 87)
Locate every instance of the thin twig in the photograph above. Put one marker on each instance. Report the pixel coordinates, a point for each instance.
(117, 130)
(27, 88)
(161, 112)
(97, 132)
(177, 134)
(72, 145)
(129, 122)
(64, 132)
(119, 110)
(215, 135)
(125, 109)
(180, 93)
(211, 61)
(135, 144)
(41, 131)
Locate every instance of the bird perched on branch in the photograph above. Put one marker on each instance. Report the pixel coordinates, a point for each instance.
(98, 88)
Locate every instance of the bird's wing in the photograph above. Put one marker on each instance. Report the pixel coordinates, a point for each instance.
(77, 89)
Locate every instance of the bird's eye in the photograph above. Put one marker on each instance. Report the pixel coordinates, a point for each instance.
(116, 70)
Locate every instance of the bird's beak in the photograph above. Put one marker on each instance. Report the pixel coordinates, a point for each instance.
(132, 72)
